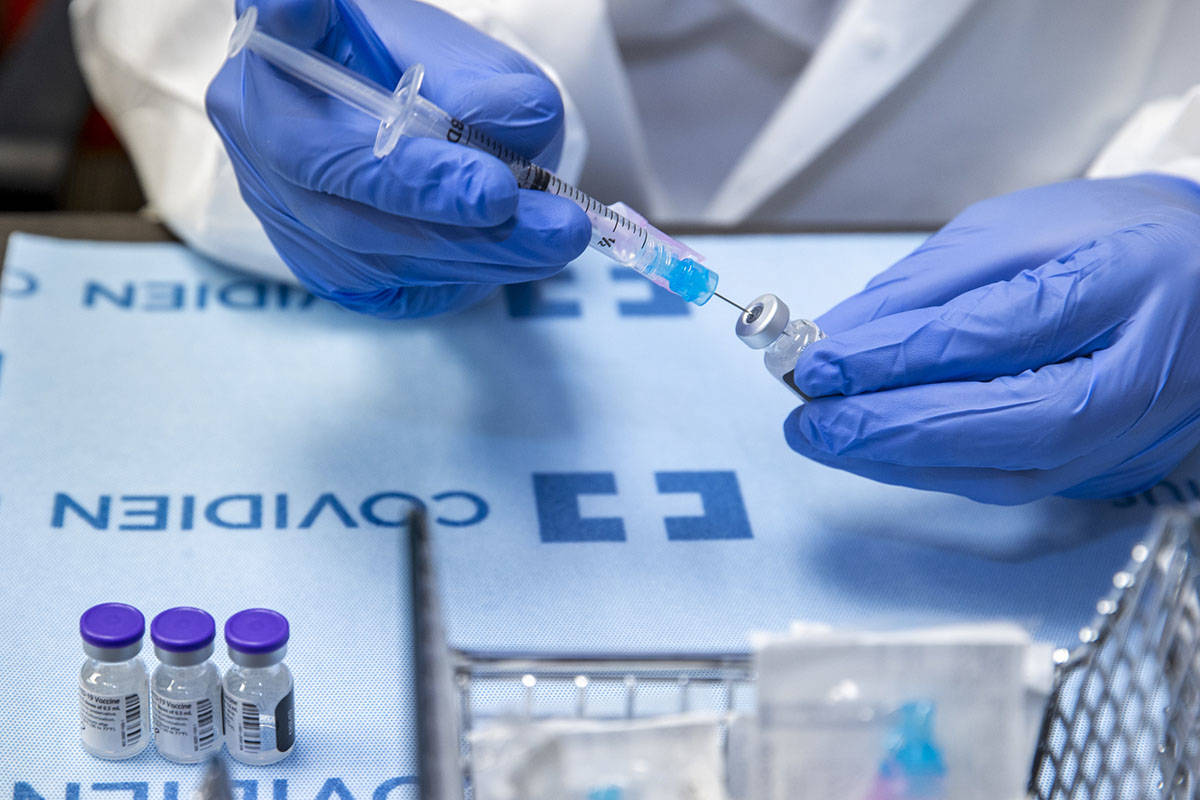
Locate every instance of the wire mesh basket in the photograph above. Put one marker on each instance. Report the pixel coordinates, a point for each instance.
(1122, 720)
(540, 686)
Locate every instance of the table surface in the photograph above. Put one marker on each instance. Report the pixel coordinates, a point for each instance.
(100, 227)
(177, 432)
(129, 227)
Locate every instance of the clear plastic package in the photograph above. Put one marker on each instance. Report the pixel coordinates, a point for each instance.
(934, 713)
(674, 757)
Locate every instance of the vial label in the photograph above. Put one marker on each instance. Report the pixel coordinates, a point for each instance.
(285, 723)
(243, 726)
(184, 728)
(110, 724)
(252, 730)
(789, 380)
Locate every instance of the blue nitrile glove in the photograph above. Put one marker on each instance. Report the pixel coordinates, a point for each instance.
(1044, 342)
(431, 227)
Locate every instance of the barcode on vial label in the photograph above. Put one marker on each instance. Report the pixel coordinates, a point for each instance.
(251, 738)
(131, 731)
(204, 724)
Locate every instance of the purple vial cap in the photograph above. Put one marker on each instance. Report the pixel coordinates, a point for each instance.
(183, 629)
(112, 626)
(256, 630)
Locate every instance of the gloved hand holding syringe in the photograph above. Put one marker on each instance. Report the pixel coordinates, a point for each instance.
(617, 232)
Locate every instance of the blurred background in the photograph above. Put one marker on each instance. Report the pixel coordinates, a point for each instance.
(56, 151)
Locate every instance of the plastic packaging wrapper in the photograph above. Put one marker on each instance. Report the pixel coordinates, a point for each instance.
(667, 758)
(854, 715)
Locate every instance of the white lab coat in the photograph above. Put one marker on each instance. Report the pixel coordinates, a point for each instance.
(904, 112)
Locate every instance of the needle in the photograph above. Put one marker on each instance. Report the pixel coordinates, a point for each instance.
(727, 300)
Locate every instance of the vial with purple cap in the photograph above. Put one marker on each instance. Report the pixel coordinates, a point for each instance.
(186, 686)
(260, 723)
(114, 712)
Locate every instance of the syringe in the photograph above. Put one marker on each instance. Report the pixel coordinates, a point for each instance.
(619, 233)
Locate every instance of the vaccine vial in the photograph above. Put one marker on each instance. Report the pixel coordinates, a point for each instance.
(766, 324)
(114, 709)
(260, 725)
(185, 688)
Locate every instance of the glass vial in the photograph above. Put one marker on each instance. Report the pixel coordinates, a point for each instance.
(260, 723)
(185, 687)
(114, 709)
(766, 324)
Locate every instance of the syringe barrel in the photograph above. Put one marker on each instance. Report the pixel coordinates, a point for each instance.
(624, 241)
(613, 234)
(427, 120)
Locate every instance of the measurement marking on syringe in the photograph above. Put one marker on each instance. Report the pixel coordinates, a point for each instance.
(593, 206)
